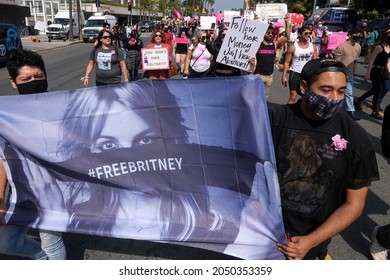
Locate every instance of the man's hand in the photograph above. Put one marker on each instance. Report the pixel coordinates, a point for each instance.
(296, 248)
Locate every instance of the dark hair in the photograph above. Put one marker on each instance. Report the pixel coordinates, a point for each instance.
(134, 33)
(106, 24)
(99, 37)
(22, 58)
(302, 29)
(315, 67)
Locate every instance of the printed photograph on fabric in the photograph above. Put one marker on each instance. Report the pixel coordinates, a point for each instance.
(140, 161)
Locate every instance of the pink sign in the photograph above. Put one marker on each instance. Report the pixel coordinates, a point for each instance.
(219, 16)
(179, 40)
(335, 39)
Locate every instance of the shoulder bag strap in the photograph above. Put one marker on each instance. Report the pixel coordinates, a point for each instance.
(197, 58)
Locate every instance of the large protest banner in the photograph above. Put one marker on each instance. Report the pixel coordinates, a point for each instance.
(187, 161)
(241, 43)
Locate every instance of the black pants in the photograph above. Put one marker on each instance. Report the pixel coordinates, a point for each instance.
(319, 252)
(385, 139)
(194, 74)
(376, 89)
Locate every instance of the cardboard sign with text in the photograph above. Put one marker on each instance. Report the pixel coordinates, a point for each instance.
(155, 59)
(242, 41)
(206, 22)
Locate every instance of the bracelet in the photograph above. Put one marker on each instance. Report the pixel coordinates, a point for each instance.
(86, 78)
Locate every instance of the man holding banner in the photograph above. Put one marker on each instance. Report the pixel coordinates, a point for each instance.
(325, 161)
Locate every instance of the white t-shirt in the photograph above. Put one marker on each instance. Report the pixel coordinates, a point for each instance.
(200, 60)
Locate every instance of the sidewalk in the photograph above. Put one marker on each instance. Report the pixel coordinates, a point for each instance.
(40, 43)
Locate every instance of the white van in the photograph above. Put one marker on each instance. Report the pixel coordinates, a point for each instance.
(94, 24)
(59, 29)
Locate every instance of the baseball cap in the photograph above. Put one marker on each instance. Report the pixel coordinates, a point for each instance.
(317, 66)
(281, 30)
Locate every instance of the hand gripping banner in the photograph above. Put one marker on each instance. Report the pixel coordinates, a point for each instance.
(184, 161)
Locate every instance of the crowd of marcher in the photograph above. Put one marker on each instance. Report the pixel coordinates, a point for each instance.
(320, 107)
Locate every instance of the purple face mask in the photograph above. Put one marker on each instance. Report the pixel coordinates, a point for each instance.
(321, 106)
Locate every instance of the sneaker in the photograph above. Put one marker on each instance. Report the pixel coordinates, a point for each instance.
(376, 116)
(358, 105)
(377, 251)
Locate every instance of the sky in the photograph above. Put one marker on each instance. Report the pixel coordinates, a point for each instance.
(223, 5)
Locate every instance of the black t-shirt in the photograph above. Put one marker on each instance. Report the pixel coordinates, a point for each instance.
(313, 175)
(265, 57)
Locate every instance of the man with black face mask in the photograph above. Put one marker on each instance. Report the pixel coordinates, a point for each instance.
(325, 161)
(27, 75)
(27, 72)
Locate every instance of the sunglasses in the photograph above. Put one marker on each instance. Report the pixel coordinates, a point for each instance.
(307, 33)
(106, 37)
(269, 33)
(158, 35)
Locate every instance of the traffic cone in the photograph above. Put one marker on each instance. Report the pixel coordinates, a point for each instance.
(37, 40)
(31, 38)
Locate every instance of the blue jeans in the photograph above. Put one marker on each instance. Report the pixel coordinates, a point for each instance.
(15, 241)
(53, 244)
(348, 99)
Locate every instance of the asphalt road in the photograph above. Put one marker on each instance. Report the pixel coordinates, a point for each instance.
(66, 64)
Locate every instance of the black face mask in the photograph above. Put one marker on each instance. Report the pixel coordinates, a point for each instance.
(35, 86)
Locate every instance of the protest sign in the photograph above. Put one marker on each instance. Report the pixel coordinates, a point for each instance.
(155, 58)
(180, 40)
(229, 15)
(206, 22)
(241, 42)
(335, 39)
(189, 161)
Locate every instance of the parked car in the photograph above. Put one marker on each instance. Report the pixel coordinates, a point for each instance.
(146, 26)
(383, 24)
(10, 41)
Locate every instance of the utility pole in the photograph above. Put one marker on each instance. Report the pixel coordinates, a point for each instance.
(130, 9)
(79, 18)
(70, 34)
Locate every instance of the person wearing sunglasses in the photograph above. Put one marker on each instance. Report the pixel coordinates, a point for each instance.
(158, 39)
(266, 54)
(109, 60)
(297, 56)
